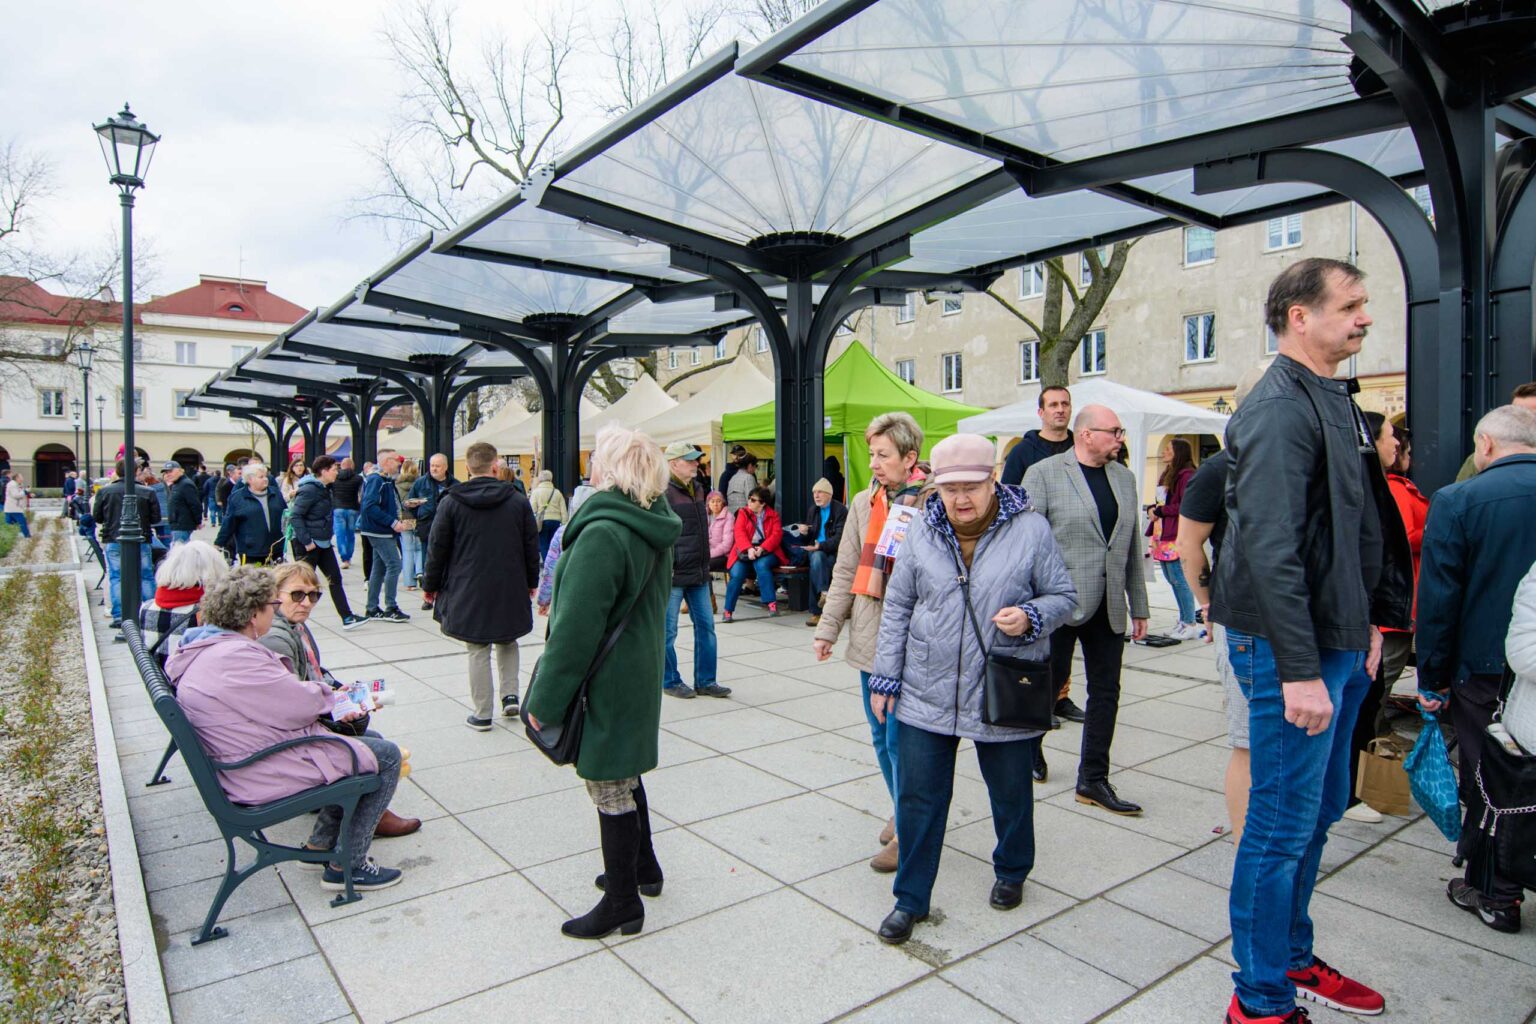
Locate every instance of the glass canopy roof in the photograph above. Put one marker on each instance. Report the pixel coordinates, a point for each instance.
(345, 342)
(737, 160)
(491, 289)
(1069, 79)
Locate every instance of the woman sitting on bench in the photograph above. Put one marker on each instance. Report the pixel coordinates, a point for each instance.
(241, 698)
(755, 548)
(180, 580)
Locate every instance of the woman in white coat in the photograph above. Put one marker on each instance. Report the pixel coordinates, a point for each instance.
(1520, 652)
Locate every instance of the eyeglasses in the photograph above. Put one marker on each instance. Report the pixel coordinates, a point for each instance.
(275, 605)
(1119, 432)
(312, 596)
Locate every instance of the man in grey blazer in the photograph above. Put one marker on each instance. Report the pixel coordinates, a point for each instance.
(1091, 503)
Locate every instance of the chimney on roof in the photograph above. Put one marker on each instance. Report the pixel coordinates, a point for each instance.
(104, 294)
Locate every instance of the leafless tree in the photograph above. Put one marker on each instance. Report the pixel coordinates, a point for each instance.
(759, 19)
(1059, 329)
(644, 49)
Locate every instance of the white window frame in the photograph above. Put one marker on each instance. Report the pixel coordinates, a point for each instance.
(906, 369)
(186, 348)
(697, 357)
(1085, 269)
(43, 402)
(952, 372)
(53, 347)
(762, 342)
(1205, 338)
(1271, 342)
(1033, 360)
(1094, 342)
(1279, 232)
(239, 352)
(671, 358)
(1032, 280)
(181, 410)
(719, 350)
(138, 403)
(908, 311)
(949, 305)
(1189, 232)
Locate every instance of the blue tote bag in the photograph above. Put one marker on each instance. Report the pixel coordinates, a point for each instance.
(1431, 779)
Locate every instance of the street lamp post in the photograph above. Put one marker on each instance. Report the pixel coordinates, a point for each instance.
(74, 419)
(85, 355)
(128, 146)
(101, 444)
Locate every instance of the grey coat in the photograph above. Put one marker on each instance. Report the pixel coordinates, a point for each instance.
(927, 654)
(1103, 570)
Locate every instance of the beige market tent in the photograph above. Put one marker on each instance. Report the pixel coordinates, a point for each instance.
(522, 439)
(494, 427)
(643, 400)
(741, 385)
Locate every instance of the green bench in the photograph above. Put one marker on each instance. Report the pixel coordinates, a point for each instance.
(240, 821)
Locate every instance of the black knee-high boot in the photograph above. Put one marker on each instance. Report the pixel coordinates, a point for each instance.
(621, 908)
(647, 867)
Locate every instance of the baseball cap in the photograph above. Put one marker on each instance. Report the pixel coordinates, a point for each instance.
(962, 458)
(682, 450)
(170, 466)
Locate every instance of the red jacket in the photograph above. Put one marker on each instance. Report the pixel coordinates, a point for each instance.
(1414, 508)
(746, 526)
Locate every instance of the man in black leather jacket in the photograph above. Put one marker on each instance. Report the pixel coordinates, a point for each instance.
(1315, 558)
(690, 579)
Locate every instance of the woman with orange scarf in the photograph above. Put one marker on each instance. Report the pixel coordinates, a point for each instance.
(858, 583)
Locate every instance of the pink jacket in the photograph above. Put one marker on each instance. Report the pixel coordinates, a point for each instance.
(241, 698)
(720, 534)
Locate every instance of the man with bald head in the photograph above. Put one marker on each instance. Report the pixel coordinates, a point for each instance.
(1091, 502)
(426, 493)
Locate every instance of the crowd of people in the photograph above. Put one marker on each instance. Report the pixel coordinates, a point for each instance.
(1301, 552)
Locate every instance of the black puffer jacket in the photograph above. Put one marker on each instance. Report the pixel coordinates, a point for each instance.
(1315, 551)
(310, 512)
(690, 558)
(347, 491)
(185, 506)
(482, 560)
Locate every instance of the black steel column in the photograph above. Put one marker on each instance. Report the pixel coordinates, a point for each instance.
(1513, 318)
(130, 530)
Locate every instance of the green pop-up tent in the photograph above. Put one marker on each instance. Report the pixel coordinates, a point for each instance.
(857, 388)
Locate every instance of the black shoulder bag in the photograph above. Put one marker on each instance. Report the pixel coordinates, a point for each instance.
(1016, 692)
(1506, 779)
(561, 741)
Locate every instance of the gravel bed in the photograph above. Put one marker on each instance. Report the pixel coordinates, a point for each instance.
(98, 993)
(48, 546)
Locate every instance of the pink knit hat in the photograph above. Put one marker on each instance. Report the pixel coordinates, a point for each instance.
(963, 458)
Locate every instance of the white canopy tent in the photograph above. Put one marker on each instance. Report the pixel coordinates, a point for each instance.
(741, 385)
(522, 439)
(643, 400)
(1144, 414)
(494, 428)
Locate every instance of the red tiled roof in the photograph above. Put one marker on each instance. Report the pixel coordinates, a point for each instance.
(25, 301)
(227, 298)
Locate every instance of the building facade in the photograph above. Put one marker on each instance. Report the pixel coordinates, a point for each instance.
(180, 340)
(1186, 319)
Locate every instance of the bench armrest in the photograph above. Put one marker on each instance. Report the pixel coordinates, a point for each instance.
(225, 766)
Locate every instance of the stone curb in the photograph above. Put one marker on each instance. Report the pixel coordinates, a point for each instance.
(142, 978)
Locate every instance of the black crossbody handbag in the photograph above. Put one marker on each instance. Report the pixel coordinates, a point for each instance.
(1507, 782)
(561, 741)
(1016, 692)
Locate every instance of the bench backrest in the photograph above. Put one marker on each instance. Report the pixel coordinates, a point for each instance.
(164, 700)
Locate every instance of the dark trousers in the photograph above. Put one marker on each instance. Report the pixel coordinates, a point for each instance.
(1472, 706)
(324, 560)
(367, 556)
(1365, 727)
(1103, 650)
(927, 781)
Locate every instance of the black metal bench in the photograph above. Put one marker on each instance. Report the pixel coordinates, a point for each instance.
(796, 581)
(240, 821)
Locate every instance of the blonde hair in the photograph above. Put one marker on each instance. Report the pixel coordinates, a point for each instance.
(899, 428)
(631, 463)
(286, 571)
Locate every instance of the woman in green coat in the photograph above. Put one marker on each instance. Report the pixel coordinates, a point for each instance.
(617, 553)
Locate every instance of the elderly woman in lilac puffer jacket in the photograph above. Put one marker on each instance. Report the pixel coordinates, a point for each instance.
(720, 523)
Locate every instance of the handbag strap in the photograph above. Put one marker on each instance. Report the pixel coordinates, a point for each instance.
(963, 577)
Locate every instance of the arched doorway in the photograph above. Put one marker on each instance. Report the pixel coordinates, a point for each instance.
(234, 455)
(50, 463)
(189, 458)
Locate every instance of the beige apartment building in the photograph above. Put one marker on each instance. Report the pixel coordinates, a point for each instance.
(1186, 319)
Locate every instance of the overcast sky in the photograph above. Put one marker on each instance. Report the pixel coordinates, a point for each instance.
(265, 111)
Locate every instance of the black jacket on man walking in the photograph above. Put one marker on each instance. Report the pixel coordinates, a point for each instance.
(690, 556)
(347, 491)
(1031, 449)
(185, 506)
(107, 510)
(482, 560)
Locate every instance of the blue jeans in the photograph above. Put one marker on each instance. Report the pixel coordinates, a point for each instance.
(385, 574)
(1300, 788)
(703, 617)
(546, 535)
(1173, 572)
(922, 809)
(180, 536)
(883, 736)
(19, 520)
(412, 563)
(763, 567)
(115, 576)
(344, 526)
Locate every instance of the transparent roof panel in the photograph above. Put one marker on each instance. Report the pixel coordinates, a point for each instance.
(342, 342)
(739, 160)
(256, 389)
(691, 316)
(351, 309)
(1072, 79)
(527, 231)
(308, 370)
(493, 360)
(493, 290)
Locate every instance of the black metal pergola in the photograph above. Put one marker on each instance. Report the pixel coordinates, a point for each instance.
(1097, 103)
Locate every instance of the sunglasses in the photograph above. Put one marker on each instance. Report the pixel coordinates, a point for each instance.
(312, 596)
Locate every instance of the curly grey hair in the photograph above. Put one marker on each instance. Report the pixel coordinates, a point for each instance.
(232, 602)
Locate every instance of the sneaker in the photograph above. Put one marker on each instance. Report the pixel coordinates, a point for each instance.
(346, 565)
(426, 606)
(366, 878)
(1239, 1014)
(1067, 708)
(1322, 984)
(353, 621)
(1364, 812)
(509, 705)
(373, 613)
(478, 724)
(1500, 915)
(394, 615)
(726, 617)
(681, 691)
(712, 690)
(773, 607)
(1184, 631)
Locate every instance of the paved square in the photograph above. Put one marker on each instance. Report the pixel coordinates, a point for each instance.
(766, 808)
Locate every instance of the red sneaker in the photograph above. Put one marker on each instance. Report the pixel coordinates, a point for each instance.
(1322, 984)
(1237, 1015)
